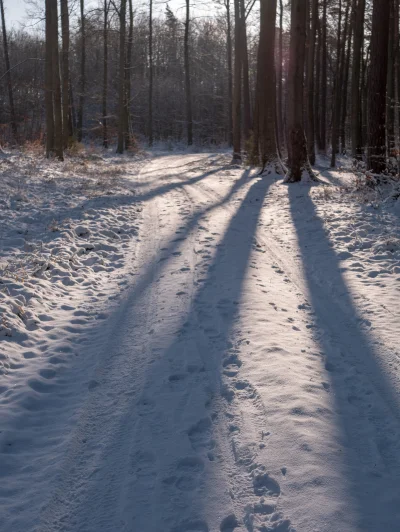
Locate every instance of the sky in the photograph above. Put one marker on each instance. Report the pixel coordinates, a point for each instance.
(16, 10)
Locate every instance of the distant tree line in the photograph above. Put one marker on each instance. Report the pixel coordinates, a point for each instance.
(279, 81)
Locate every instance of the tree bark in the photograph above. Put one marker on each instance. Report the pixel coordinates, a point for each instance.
(49, 81)
(121, 88)
(57, 104)
(245, 74)
(311, 85)
(356, 123)
(236, 110)
(105, 72)
(14, 126)
(391, 82)
(281, 135)
(229, 59)
(150, 119)
(67, 133)
(188, 90)
(266, 86)
(345, 90)
(298, 163)
(128, 73)
(324, 87)
(82, 81)
(377, 81)
(336, 92)
(317, 97)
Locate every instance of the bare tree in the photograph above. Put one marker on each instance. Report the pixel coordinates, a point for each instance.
(121, 78)
(82, 81)
(8, 75)
(65, 71)
(356, 125)
(229, 61)
(150, 118)
(299, 166)
(311, 85)
(266, 88)
(377, 86)
(236, 105)
(106, 7)
(188, 90)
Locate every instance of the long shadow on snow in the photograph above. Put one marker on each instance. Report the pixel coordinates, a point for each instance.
(106, 345)
(375, 498)
(207, 332)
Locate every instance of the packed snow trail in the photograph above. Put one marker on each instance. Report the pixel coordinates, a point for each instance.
(234, 388)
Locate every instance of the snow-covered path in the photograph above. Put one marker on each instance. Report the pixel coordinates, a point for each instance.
(235, 387)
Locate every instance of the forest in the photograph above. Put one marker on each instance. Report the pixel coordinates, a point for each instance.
(199, 266)
(117, 74)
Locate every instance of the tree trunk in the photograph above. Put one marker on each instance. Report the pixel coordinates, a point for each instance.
(310, 89)
(336, 91)
(236, 110)
(317, 96)
(8, 76)
(245, 78)
(377, 86)
(49, 81)
(280, 76)
(121, 84)
(324, 78)
(266, 87)
(65, 72)
(57, 104)
(229, 59)
(82, 82)
(345, 83)
(391, 82)
(188, 91)
(128, 78)
(298, 163)
(151, 74)
(356, 123)
(105, 72)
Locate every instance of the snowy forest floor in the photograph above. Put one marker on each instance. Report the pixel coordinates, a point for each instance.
(188, 347)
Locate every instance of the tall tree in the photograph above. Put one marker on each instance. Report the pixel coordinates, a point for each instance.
(324, 78)
(65, 72)
(188, 90)
(236, 105)
(121, 78)
(128, 75)
(280, 76)
(345, 89)
(245, 73)
(8, 75)
(298, 163)
(356, 123)
(54, 141)
(391, 80)
(49, 80)
(106, 7)
(377, 86)
(266, 87)
(150, 106)
(336, 91)
(229, 61)
(311, 83)
(82, 81)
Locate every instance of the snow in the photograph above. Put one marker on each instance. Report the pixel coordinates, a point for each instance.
(188, 347)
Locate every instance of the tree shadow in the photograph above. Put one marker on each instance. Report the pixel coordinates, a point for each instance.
(160, 471)
(44, 409)
(367, 405)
